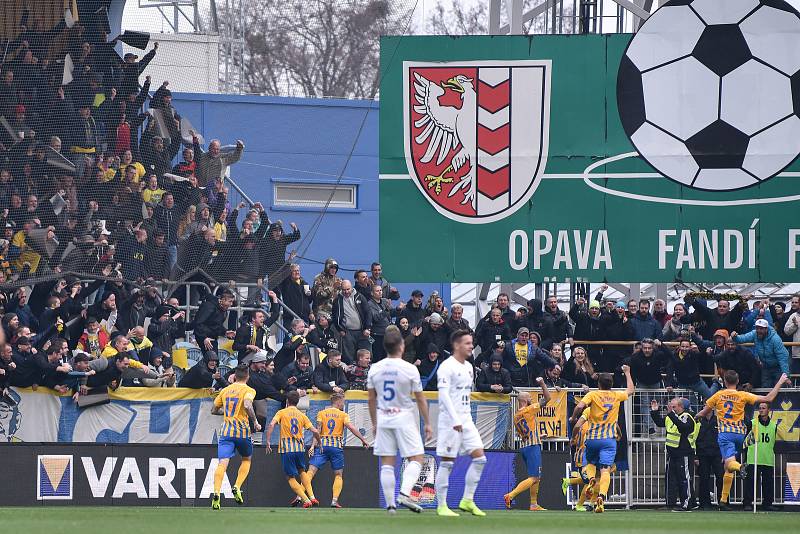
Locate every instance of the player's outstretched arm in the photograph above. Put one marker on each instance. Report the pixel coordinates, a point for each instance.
(578, 410)
(545, 391)
(251, 413)
(769, 397)
(270, 428)
(629, 387)
(422, 405)
(352, 428)
(372, 404)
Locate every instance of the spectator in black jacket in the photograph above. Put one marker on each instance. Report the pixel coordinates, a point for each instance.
(509, 315)
(708, 461)
(647, 365)
(263, 378)
(562, 328)
(491, 330)
(615, 327)
(740, 359)
(428, 365)
(685, 366)
(7, 367)
(166, 325)
(414, 311)
(299, 375)
(494, 379)
(433, 332)
(722, 317)
(167, 218)
(209, 323)
(587, 324)
(329, 375)
(378, 313)
(680, 456)
(579, 368)
(158, 262)
(272, 250)
(325, 337)
(251, 338)
(204, 374)
(292, 348)
(296, 295)
(28, 372)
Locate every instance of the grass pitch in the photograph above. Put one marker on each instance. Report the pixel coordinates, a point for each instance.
(232, 520)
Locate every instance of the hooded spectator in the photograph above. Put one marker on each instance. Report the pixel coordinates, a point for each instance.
(494, 379)
(204, 374)
(433, 332)
(326, 287)
(428, 365)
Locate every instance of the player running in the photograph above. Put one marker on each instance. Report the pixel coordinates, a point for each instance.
(292, 448)
(729, 404)
(235, 404)
(332, 421)
(393, 385)
(578, 475)
(457, 434)
(527, 427)
(601, 436)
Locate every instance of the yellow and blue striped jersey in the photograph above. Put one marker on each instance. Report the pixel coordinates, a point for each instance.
(603, 408)
(235, 423)
(527, 426)
(729, 405)
(580, 441)
(331, 423)
(293, 424)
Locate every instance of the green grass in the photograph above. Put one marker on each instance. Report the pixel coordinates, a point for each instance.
(231, 520)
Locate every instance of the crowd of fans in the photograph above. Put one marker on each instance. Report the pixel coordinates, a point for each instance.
(88, 190)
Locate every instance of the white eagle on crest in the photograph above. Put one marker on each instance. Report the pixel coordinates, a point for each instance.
(447, 127)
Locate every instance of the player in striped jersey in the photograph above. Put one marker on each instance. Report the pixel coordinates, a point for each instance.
(527, 427)
(292, 448)
(601, 434)
(729, 404)
(578, 475)
(235, 404)
(332, 421)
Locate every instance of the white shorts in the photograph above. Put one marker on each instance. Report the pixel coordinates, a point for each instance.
(405, 439)
(450, 443)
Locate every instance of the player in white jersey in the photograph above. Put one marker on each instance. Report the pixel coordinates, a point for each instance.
(394, 386)
(457, 434)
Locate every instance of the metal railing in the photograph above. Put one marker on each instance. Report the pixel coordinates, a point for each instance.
(643, 484)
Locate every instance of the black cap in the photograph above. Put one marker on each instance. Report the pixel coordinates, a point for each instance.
(416, 293)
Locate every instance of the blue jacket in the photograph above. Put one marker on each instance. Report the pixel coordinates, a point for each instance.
(645, 327)
(750, 317)
(769, 350)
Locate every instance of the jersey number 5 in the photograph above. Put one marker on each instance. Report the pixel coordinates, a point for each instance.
(388, 390)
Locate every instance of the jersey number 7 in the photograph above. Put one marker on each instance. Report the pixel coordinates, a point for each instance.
(606, 410)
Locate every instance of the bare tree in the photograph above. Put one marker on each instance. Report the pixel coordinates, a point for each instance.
(318, 48)
(453, 17)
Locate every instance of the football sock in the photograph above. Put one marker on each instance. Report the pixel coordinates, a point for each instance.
(575, 480)
(535, 492)
(305, 478)
(522, 486)
(605, 482)
(387, 484)
(244, 470)
(219, 476)
(733, 465)
(409, 478)
(338, 482)
(727, 482)
(591, 471)
(298, 489)
(473, 476)
(443, 482)
(585, 492)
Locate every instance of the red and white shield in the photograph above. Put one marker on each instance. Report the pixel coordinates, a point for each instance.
(476, 134)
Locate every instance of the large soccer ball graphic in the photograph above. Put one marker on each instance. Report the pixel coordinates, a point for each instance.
(709, 91)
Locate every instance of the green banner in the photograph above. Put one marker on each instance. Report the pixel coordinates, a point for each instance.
(525, 158)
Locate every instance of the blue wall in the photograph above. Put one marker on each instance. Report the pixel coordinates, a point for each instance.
(312, 141)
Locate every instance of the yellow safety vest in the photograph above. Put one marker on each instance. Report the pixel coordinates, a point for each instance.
(674, 435)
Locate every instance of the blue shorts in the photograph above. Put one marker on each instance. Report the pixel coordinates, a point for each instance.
(601, 452)
(227, 447)
(730, 443)
(294, 462)
(532, 454)
(334, 455)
